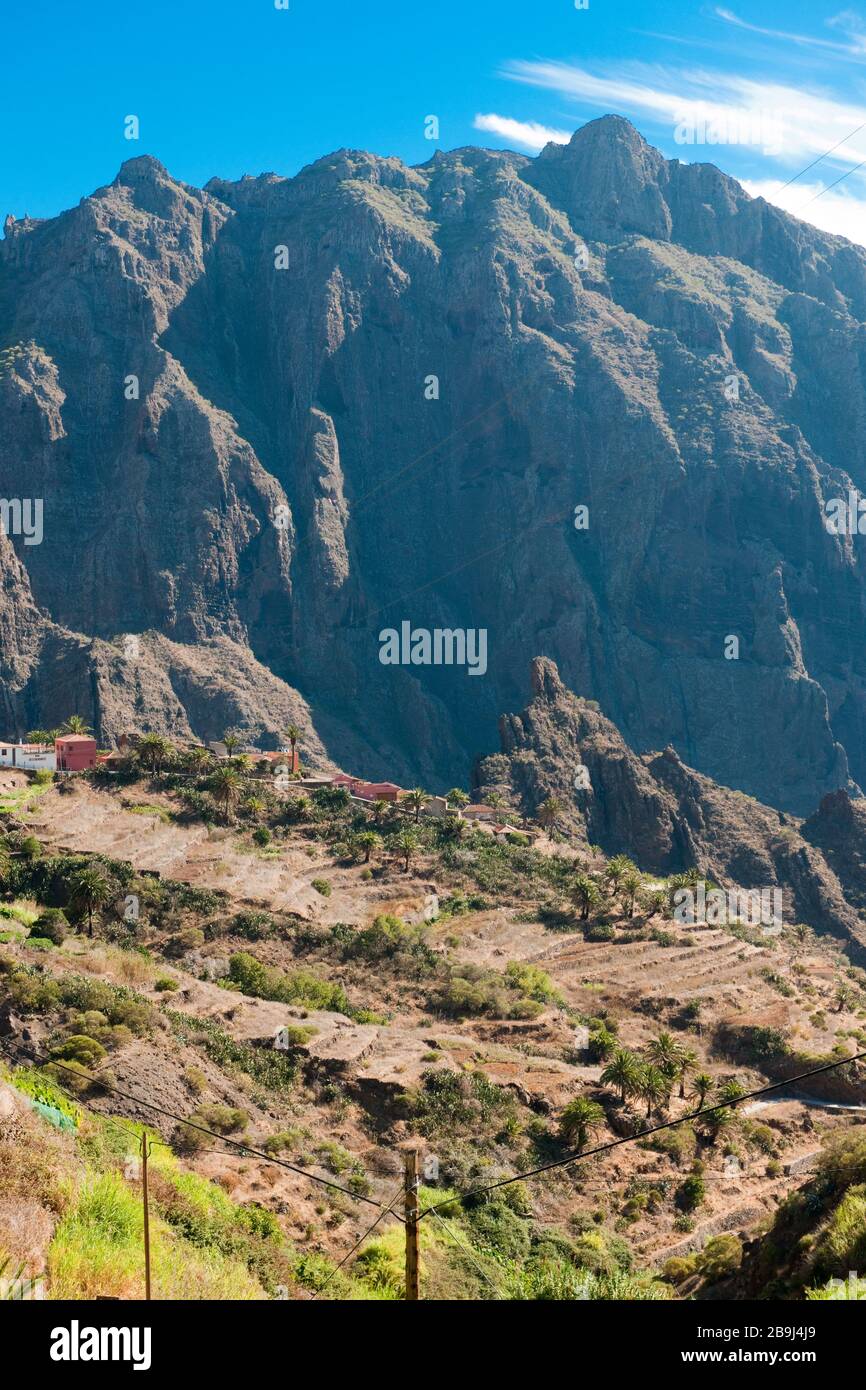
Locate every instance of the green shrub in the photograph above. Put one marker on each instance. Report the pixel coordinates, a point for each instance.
(322, 886)
(79, 1048)
(598, 931)
(721, 1256)
(691, 1192)
(295, 987)
(53, 924)
(252, 925)
(679, 1268)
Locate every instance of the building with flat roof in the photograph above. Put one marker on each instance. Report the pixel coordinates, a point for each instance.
(75, 752)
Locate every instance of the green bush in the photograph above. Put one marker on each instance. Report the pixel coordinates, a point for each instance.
(295, 987)
(252, 925)
(52, 923)
(79, 1048)
(598, 931)
(691, 1192)
(721, 1256)
(322, 886)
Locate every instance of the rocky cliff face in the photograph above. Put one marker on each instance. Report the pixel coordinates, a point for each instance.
(270, 418)
(669, 818)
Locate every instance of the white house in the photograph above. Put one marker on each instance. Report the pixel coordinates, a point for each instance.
(31, 757)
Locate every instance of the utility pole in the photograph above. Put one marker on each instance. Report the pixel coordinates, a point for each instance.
(413, 1267)
(144, 1158)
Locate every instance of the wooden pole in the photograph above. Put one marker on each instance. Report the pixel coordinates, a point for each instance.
(144, 1157)
(413, 1265)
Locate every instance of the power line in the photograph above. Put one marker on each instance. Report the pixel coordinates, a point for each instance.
(221, 1138)
(465, 1248)
(824, 156)
(832, 185)
(632, 1138)
(386, 1211)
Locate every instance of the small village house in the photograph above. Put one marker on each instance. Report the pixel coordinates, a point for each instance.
(75, 752)
(30, 757)
(379, 791)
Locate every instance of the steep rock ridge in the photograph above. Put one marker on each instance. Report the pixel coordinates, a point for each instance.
(290, 480)
(670, 818)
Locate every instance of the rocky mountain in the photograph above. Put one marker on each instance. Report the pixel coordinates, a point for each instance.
(670, 818)
(270, 418)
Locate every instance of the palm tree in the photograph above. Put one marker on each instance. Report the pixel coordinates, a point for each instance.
(225, 788)
(76, 725)
(197, 759)
(293, 733)
(654, 900)
(37, 736)
(578, 1118)
(653, 1085)
(623, 1071)
(688, 1060)
(496, 800)
(368, 841)
(231, 742)
(845, 998)
(665, 1052)
(616, 870)
(629, 888)
(416, 799)
(702, 1084)
(407, 843)
(602, 1043)
(379, 810)
(457, 797)
(549, 812)
(584, 894)
(153, 750)
(90, 889)
(730, 1092)
(714, 1121)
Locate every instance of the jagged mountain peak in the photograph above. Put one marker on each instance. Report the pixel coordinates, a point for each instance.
(444, 303)
(608, 180)
(142, 166)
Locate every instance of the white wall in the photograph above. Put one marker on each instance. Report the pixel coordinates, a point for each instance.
(31, 760)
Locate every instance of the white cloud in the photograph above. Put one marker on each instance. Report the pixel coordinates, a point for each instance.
(528, 135)
(842, 213)
(790, 124)
(848, 22)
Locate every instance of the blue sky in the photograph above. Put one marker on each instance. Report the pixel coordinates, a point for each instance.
(231, 88)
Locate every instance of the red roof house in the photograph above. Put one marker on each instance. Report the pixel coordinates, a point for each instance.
(379, 791)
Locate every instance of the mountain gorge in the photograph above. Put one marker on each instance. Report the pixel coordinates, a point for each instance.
(271, 417)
